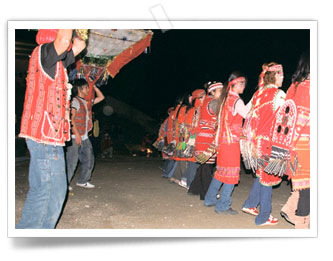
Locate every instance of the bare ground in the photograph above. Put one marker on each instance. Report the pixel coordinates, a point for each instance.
(131, 194)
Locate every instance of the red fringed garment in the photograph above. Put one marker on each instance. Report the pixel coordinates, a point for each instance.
(263, 114)
(228, 152)
(301, 140)
(206, 129)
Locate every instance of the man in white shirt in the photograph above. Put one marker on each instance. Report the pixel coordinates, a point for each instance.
(81, 148)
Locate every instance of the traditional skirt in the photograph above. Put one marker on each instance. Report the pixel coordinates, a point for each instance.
(301, 180)
(228, 163)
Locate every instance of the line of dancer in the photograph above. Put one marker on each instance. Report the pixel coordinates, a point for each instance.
(205, 134)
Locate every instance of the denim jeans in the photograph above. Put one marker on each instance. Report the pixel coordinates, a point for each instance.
(85, 154)
(166, 167)
(224, 202)
(260, 195)
(170, 170)
(47, 186)
(190, 172)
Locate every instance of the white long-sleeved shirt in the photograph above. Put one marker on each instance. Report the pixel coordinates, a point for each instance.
(240, 107)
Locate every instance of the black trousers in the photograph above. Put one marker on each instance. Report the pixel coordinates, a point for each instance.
(303, 207)
(202, 180)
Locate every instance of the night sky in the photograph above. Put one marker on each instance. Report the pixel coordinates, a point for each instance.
(183, 60)
(180, 61)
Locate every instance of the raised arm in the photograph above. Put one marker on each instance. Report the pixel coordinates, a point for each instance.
(63, 40)
(78, 46)
(99, 95)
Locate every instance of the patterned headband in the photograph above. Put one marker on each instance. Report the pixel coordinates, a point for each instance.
(273, 68)
(215, 86)
(234, 81)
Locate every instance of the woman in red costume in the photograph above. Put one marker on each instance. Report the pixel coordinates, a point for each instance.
(205, 136)
(266, 100)
(231, 113)
(180, 139)
(297, 208)
(193, 115)
(188, 116)
(170, 146)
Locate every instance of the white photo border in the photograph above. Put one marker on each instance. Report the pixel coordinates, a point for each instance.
(312, 232)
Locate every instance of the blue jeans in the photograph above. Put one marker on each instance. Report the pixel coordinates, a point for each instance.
(167, 166)
(260, 195)
(190, 172)
(224, 202)
(170, 170)
(48, 186)
(85, 154)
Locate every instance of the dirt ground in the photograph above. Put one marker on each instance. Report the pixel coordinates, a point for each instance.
(131, 194)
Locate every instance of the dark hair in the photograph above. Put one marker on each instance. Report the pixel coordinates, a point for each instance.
(78, 84)
(187, 102)
(179, 100)
(225, 90)
(269, 77)
(184, 102)
(303, 68)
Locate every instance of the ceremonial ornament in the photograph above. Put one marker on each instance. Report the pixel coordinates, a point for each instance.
(282, 139)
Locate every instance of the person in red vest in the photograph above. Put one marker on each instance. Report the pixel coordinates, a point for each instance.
(205, 136)
(197, 100)
(257, 130)
(297, 208)
(169, 148)
(230, 118)
(45, 125)
(81, 148)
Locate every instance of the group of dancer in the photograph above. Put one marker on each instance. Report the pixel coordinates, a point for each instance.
(208, 131)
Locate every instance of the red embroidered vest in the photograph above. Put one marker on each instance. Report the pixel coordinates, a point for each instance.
(189, 116)
(231, 125)
(263, 114)
(206, 129)
(228, 152)
(301, 140)
(80, 119)
(45, 117)
(180, 122)
(171, 125)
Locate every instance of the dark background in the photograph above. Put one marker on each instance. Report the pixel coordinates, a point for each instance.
(183, 60)
(180, 61)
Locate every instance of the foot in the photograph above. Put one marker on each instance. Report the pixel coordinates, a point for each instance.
(85, 185)
(229, 211)
(173, 180)
(285, 216)
(251, 211)
(270, 222)
(182, 183)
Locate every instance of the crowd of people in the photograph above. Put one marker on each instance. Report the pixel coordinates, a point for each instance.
(207, 131)
(205, 134)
